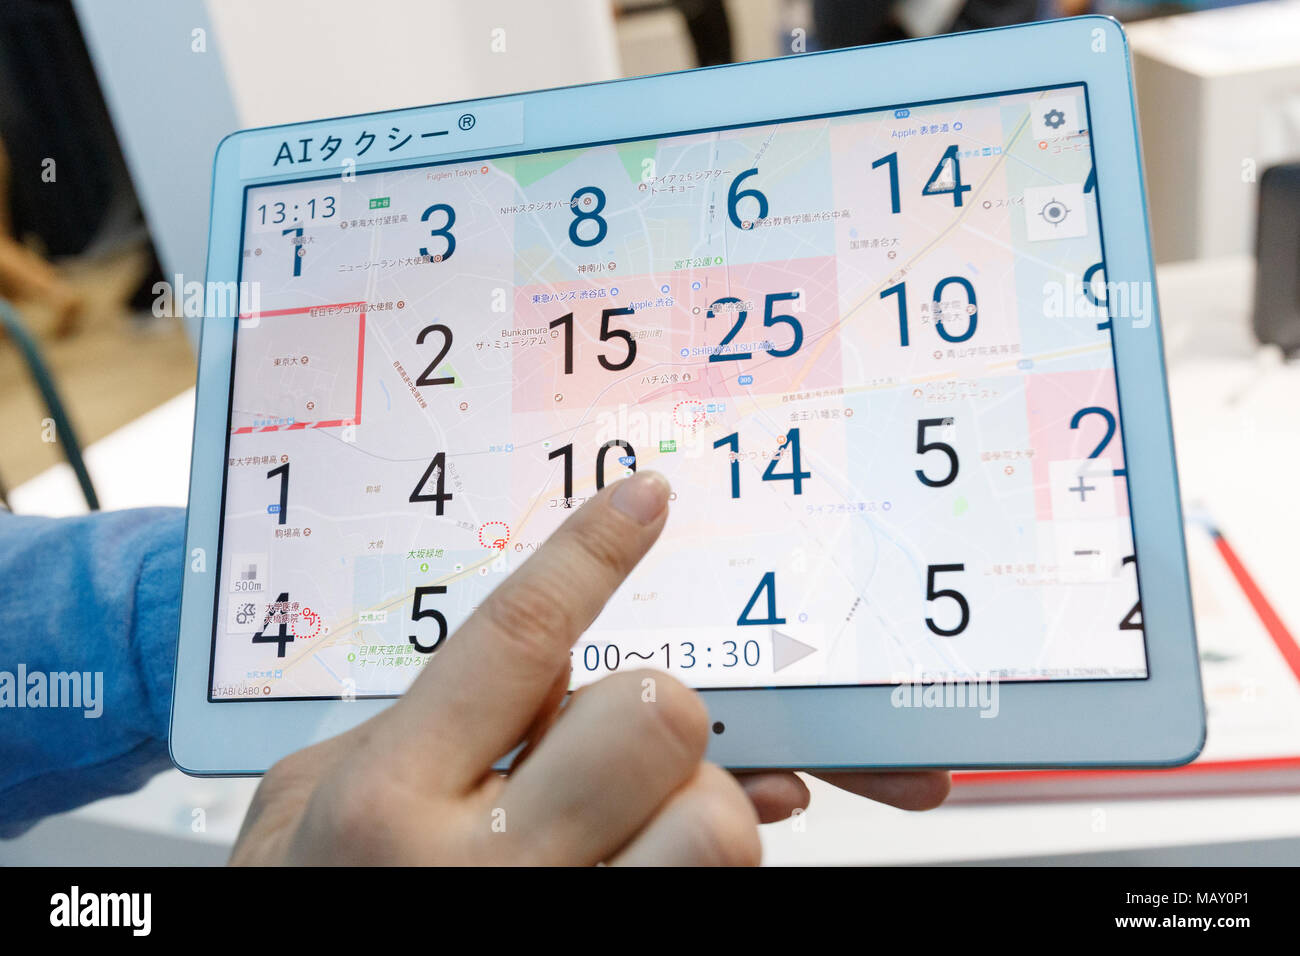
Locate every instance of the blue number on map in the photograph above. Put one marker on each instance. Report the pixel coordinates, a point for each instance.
(299, 250)
(581, 215)
(734, 196)
(900, 290)
(971, 306)
(732, 441)
(443, 232)
(796, 476)
(1109, 418)
(283, 472)
(735, 329)
(932, 185)
(768, 584)
(791, 443)
(1103, 302)
(892, 161)
(438, 465)
(769, 320)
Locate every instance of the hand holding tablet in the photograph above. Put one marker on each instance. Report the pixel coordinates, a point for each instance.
(884, 318)
(390, 792)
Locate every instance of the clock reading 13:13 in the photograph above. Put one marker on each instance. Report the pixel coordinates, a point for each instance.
(273, 214)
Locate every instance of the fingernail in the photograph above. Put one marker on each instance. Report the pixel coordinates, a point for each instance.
(642, 497)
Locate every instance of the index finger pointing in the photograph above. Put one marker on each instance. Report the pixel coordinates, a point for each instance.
(479, 695)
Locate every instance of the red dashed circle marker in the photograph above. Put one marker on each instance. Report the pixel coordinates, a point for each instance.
(494, 535)
(696, 413)
(312, 618)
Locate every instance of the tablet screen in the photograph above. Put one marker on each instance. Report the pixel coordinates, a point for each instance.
(871, 352)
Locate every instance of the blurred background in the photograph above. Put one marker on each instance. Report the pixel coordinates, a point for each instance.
(110, 111)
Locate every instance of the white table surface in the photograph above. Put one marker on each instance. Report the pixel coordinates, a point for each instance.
(1238, 448)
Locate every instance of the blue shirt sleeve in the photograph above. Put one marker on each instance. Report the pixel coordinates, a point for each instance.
(89, 611)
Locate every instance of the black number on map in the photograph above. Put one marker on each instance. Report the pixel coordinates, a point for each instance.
(932, 595)
(442, 354)
(627, 459)
(282, 637)
(438, 471)
(565, 451)
(922, 446)
(418, 613)
(1132, 620)
(606, 333)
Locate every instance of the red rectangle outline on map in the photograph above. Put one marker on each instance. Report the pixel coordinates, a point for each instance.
(361, 364)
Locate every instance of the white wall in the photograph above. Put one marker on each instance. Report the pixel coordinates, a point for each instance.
(290, 60)
(277, 61)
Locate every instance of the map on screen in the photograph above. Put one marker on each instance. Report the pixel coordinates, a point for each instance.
(870, 351)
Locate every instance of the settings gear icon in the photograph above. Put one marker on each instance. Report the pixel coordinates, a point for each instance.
(1053, 119)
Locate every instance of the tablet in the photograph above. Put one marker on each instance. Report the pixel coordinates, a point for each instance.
(885, 318)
